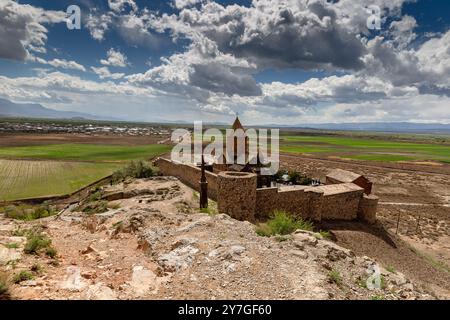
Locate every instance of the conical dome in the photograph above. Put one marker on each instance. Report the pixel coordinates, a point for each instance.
(237, 124)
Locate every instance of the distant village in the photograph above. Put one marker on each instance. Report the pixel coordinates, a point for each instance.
(86, 129)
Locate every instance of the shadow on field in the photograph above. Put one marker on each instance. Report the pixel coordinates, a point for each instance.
(376, 230)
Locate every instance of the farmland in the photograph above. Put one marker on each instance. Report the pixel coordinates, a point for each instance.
(27, 179)
(383, 150)
(58, 169)
(84, 152)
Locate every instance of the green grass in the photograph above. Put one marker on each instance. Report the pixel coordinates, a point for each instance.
(334, 276)
(12, 245)
(437, 264)
(23, 276)
(85, 152)
(27, 212)
(282, 223)
(37, 243)
(324, 234)
(366, 149)
(28, 179)
(77, 165)
(390, 269)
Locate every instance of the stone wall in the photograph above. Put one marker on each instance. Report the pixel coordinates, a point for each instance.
(237, 195)
(341, 202)
(368, 208)
(189, 175)
(331, 202)
(291, 199)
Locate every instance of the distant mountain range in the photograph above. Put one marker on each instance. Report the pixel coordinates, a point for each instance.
(383, 127)
(33, 110)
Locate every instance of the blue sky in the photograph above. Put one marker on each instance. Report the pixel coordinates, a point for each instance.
(279, 61)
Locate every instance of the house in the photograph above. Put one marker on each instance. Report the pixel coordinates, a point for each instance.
(338, 176)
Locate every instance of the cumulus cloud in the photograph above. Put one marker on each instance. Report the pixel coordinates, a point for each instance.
(59, 82)
(104, 73)
(385, 77)
(221, 78)
(22, 29)
(180, 4)
(134, 29)
(120, 5)
(98, 25)
(261, 33)
(402, 31)
(60, 63)
(114, 59)
(286, 34)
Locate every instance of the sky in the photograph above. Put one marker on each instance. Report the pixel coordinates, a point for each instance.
(285, 62)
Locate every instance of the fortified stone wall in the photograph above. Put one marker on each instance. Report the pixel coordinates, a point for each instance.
(293, 200)
(189, 175)
(326, 202)
(237, 195)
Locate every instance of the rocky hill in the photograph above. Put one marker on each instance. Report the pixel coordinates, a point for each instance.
(152, 243)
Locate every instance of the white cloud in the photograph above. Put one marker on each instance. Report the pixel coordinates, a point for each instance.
(104, 73)
(180, 4)
(60, 63)
(114, 59)
(22, 29)
(98, 25)
(389, 77)
(403, 31)
(120, 5)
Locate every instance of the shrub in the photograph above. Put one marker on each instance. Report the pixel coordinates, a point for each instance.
(295, 177)
(335, 277)
(282, 223)
(13, 212)
(95, 195)
(325, 234)
(299, 179)
(135, 169)
(27, 213)
(211, 210)
(95, 207)
(23, 276)
(37, 242)
(51, 252)
(37, 268)
(279, 175)
(19, 232)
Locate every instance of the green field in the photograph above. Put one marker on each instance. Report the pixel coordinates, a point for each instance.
(365, 149)
(27, 179)
(84, 152)
(36, 171)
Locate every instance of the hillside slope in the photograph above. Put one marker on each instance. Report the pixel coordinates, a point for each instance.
(157, 246)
